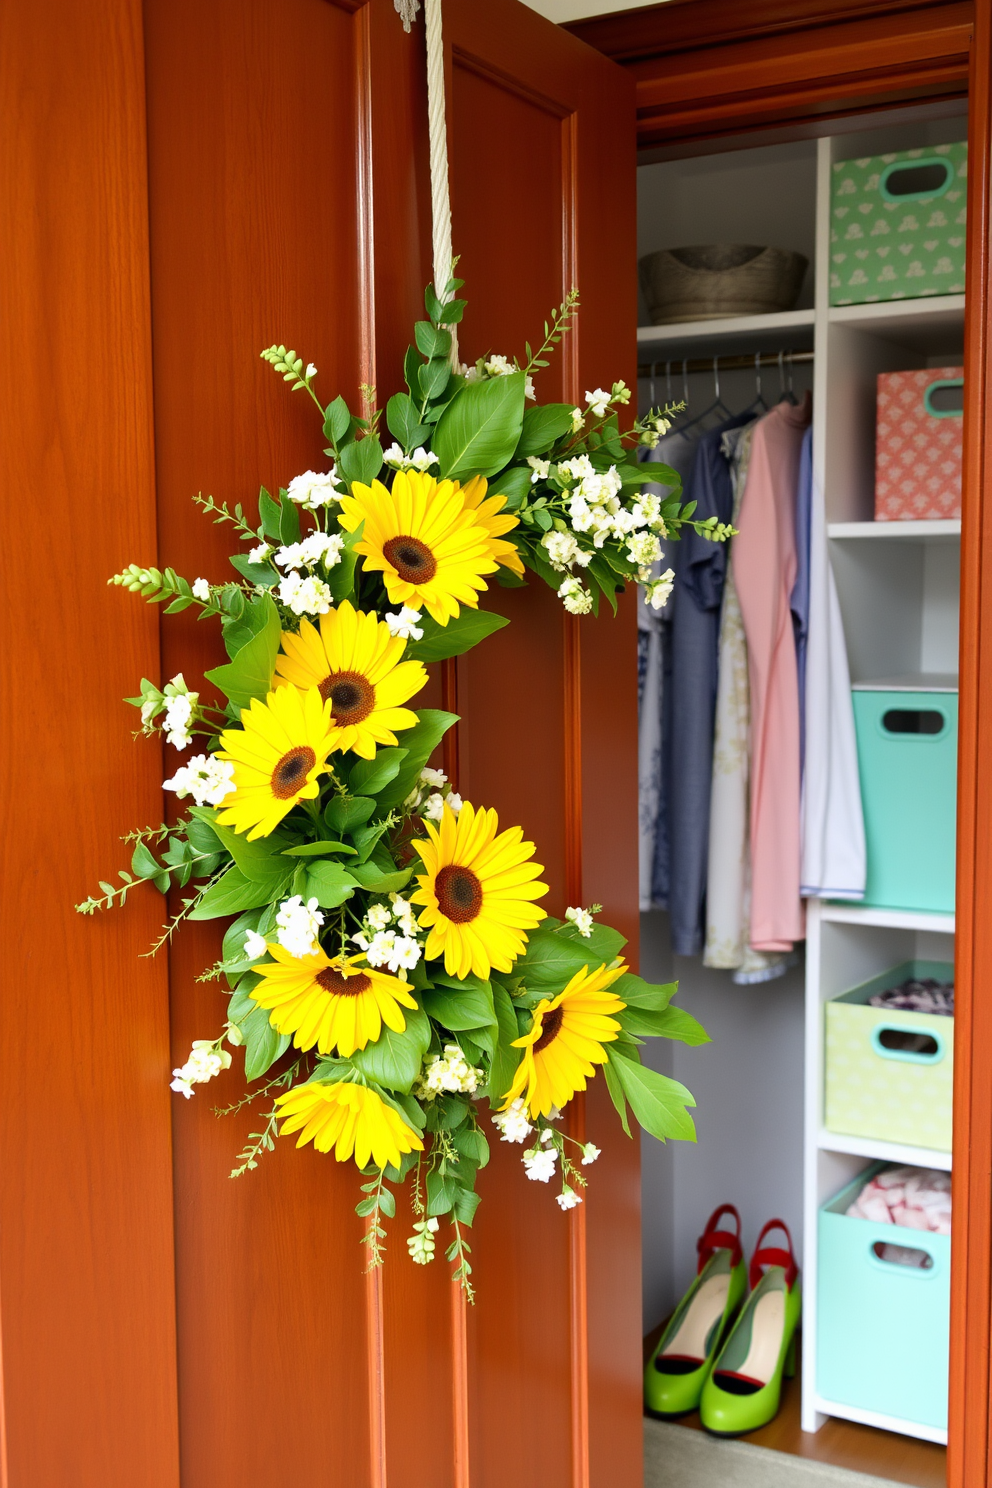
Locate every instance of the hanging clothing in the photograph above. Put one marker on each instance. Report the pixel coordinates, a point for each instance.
(765, 566)
(799, 599)
(653, 632)
(834, 863)
(699, 578)
(728, 882)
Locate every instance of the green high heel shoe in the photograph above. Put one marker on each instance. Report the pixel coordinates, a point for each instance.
(745, 1386)
(677, 1370)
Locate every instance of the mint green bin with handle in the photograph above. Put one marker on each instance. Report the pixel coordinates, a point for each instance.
(882, 1327)
(907, 758)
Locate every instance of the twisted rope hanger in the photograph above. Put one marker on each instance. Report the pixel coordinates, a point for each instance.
(437, 126)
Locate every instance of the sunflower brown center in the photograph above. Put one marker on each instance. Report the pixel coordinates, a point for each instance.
(352, 696)
(550, 1029)
(332, 981)
(291, 772)
(459, 893)
(412, 559)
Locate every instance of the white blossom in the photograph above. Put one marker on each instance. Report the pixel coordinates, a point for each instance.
(454, 802)
(259, 554)
(470, 373)
(547, 1135)
(397, 952)
(421, 459)
(405, 624)
(599, 402)
(581, 919)
(234, 1035)
(178, 716)
(500, 366)
(646, 512)
(529, 391)
(578, 420)
(577, 468)
(540, 469)
(421, 1243)
(405, 916)
(644, 549)
(304, 596)
(378, 916)
(297, 925)
(311, 371)
(539, 1163)
(255, 945)
(568, 1198)
(590, 1152)
(450, 1071)
(656, 591)
(512, 1124)
(561, 548)
(201, 590)
(314, 488)
(207, 779)
(319, 547)
(577, 601)
(205, 1061)
(434, 808)
(430, 776)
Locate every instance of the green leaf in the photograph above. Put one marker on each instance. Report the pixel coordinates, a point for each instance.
(263, 1045)
(434, 377)
(553, 955)
(345, 813)
(542, 427)
(261, 861)
(514, 484)
(369, 777)
(669, 1022)
(431, 341)
(470, 1143)
(467, 1007)
(411, 372)
(269, 514)
(289, 521)
(402, 420)
(394, 1060)
(616, 1094)
(329, 883)
(256, 573)
(341, 578)
(657, 1102)
(419, 743)
(466, 1203)
(232, 894)
(249, 675)
(387, 1202)
(373, 878)
(361, 460)
(318, 849)
(636, 992)
(441, 1194)
(459, 635)
(479, 430)
(505, 1059)
(337, 421)
(144, 863)
(239, 628)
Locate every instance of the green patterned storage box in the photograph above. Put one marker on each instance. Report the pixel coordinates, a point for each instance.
(875, 1088)
(897, 225)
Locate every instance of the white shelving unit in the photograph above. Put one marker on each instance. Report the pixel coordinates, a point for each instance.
(898, 588)
(697, 337)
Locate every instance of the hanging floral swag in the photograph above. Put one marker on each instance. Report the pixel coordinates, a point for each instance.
(389, 963)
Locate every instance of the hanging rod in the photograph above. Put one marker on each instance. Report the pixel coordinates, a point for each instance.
(737, 363)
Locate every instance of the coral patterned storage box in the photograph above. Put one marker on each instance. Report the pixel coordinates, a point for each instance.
(918, 444)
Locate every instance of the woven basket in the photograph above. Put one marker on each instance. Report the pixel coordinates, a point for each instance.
(725, 279)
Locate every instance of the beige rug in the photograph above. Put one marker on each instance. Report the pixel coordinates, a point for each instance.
(675, 1457)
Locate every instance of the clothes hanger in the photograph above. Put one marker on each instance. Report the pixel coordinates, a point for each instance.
(718, 406)
(786, 395)
(759, 404)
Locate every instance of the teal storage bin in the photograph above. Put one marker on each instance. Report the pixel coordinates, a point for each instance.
(897, 225)
(882, 1329)
(907, 757)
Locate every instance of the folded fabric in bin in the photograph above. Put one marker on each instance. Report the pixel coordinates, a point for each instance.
(918, 995)
(915, 1198)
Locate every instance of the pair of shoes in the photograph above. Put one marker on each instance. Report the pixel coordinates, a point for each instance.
(732, 1370)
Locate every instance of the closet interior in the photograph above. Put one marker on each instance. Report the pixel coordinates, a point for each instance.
(808, 1090)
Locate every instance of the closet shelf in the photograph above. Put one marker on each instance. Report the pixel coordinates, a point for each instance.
(943, 530)
(882, 1423)
(892, 919)
(896, 1152)
(931, 325)
(737, 332)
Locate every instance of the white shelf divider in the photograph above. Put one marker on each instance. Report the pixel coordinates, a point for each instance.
(896, 1152)
(944, 529)
(729, 329)
(889, 314)
(884, 1423)
(891, 919)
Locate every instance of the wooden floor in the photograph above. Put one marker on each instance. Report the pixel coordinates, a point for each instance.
(901, 1459)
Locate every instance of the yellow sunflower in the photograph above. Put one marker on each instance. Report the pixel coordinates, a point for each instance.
(477, 891)
(331, 1003)
(350, 1118)
(489, 514)
(354, 662)
(278, 753)
(566, 1041)
(431, 550)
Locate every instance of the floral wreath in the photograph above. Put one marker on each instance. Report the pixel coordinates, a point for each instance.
(391, 972)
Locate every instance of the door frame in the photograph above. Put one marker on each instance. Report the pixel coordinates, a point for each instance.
(704, 72)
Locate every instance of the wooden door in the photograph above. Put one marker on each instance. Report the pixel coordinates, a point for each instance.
(162, 1324)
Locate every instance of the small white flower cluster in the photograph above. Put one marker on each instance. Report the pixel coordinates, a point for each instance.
(421, 459)
(652, 428)
(255, 945)
(577, 601)
(201, 590)
(431, 794)
(205, 1061)
(657, 591)
(421, 1243)
(590, 1152)
(449, 1071)
(404, 624)
(319, 547)
(206, 778)
(600, 401)
(297, 926)
(582, 919)
(398, 949)
(496, 366)
(568, 1198)
(512, 1124)
(539, 1160)
(308, 596)
(177, 703)
(315, 488)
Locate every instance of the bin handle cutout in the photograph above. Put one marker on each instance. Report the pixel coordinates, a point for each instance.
(911, 1260)
(944, 398)
(907, 1045)
(914, 723)
(916, 180)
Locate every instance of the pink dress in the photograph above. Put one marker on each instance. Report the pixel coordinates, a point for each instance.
(765, 571)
